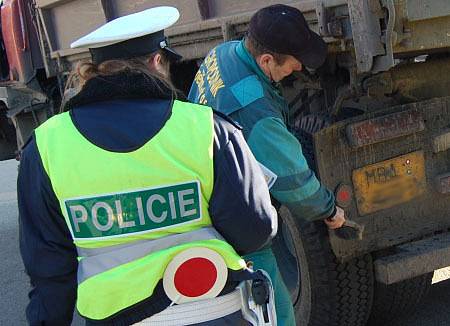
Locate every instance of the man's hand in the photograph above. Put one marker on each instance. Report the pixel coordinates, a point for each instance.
(336, 221)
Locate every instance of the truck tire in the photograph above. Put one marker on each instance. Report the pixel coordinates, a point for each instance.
(324, 292)
(8, 145)
(394, 300)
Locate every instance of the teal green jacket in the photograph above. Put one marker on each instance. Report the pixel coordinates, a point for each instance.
(230, 81)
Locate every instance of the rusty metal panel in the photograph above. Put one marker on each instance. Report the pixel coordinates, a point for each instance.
(389, 183)
(425, 214)
(427, 9)
(414, 259)
(49, 3)
(423, 36)
(228, 8)
(384, 128)
(189, 10)
(69, 20)
(422, 26)
(441, 142)
(202, 25)
(364, 16)
(374, 43)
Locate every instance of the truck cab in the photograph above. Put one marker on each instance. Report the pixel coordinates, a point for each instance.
(26, 92)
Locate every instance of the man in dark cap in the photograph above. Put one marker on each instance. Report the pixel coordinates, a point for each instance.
(240, 79)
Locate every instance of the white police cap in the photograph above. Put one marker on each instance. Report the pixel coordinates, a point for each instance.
(131, 36)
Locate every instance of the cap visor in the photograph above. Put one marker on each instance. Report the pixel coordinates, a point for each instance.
(173, 55)
(316, 54)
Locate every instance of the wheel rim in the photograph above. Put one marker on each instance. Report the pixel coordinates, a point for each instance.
(290, 254)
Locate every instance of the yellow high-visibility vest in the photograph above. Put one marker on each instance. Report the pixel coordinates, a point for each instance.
(130, 213)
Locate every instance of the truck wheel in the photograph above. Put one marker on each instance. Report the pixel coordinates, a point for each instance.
(8, 145)
(324, 292)
(392, 301)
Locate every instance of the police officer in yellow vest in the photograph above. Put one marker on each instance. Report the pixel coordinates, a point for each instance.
(133, 203)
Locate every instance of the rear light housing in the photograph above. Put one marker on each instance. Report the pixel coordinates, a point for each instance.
(344, 195)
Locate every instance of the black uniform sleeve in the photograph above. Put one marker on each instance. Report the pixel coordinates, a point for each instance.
(47, 250)
(240, 205)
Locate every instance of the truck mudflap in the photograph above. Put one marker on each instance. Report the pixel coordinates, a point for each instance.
(414, 259)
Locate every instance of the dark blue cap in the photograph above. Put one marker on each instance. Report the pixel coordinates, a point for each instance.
(283, 29)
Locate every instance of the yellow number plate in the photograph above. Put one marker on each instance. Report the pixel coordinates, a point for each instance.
(389, 183)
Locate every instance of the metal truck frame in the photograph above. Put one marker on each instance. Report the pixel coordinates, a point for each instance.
(374, 123)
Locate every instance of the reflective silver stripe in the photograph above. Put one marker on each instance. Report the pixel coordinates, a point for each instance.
(196, 312)
(103, 261)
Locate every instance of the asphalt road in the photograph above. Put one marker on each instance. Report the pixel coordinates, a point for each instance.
(14, 284)
(435, 310)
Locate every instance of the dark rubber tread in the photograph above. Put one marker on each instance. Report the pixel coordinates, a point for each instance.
(338, 294)
(342, 292)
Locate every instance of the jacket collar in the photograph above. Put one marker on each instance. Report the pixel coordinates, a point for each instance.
(272, 87)
(250, 62)
(121, 86)
(248, 59)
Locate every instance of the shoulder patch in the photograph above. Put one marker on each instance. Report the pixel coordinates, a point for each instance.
(247, 90)
(228, 119)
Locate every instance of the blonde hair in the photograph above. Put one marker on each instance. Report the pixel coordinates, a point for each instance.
(84, 71)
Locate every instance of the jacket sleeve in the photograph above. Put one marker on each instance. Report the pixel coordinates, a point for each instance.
(240, 205)
(296, 185)
(47, 250)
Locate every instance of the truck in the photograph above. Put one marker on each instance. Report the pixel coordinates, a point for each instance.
(374, 124)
